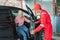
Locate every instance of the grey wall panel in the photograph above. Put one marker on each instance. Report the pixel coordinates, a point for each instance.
(57, 24)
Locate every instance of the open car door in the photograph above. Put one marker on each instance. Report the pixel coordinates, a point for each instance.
(33, 26)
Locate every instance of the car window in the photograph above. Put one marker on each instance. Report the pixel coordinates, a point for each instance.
(5, 17)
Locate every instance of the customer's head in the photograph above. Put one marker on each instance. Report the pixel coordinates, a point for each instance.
(20, 13)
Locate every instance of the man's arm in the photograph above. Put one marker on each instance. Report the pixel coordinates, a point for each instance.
(38, 21)
(43, 21)
(27, 20)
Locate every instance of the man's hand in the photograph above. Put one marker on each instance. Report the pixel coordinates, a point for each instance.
(35, 22)
(32, 32)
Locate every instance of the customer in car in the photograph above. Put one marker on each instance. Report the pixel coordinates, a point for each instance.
(22, 29)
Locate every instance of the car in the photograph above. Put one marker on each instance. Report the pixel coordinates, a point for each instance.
(7, 23)
(8, 26)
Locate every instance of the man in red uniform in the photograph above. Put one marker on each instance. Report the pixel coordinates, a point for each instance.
(45, 22)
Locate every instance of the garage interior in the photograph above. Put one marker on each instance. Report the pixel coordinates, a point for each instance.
(52, 6)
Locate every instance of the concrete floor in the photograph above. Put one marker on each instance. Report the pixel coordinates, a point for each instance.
(56, 37)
